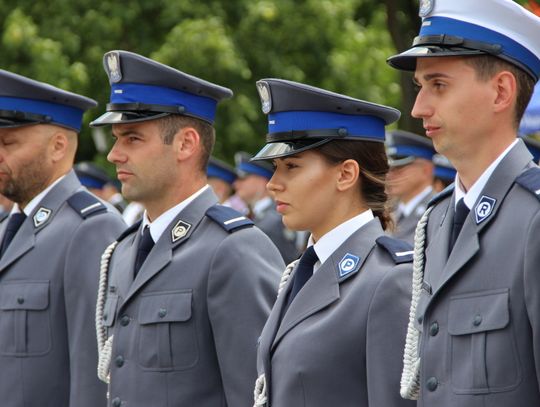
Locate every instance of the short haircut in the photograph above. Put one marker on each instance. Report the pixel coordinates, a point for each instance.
(171, 124)
(487, 66)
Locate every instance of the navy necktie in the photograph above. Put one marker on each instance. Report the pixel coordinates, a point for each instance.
(14, 223)
(145, 245)
(304, 271)
(459, 218)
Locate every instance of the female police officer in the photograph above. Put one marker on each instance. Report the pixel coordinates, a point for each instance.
(335, 334)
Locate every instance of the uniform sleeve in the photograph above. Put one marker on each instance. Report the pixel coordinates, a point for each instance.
(531, 285)
(242, 288)
(81, 275)
(386, 331)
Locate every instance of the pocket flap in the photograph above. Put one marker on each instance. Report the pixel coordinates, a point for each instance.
(27, 295)
(478, 312)
(165, 307)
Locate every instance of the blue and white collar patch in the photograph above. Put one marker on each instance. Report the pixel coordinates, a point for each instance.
(41, 216)
(484, 208)
(348, 264)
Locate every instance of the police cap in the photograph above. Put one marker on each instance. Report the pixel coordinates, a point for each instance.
(246, 165)
(403, 147)
(443, 168)
(222, 170)
(91, 176)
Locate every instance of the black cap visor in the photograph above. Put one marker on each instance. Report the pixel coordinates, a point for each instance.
(400, 161)
(284, 149)
(118, 113)
(15, 118)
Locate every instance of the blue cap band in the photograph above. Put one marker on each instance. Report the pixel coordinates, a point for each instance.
(366, 127)
(89, 182)
(217, 172)
(415, 151)
(60, 114)
(512, 49)
(250, 168)
(444, 173)
(198, 106)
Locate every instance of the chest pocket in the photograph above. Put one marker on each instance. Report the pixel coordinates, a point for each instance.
(483, 352)
(25, 328)
(167, 333)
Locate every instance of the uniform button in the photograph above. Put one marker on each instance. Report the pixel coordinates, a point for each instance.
(20, 300)
(420, 319)
(432, 383)
(124, 321)
(434, 329)
(119, 361)
(162, 312)
(477, 320)
(116, 402)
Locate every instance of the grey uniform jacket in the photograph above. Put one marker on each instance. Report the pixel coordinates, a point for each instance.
(270, 222)
(480, 305)
(48, 284)
(340, 341)
(186, 328)
(406, 225)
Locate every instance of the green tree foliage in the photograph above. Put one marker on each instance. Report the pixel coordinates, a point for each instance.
(337, 44)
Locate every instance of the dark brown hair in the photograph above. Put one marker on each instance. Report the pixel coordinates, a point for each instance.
(171, 124)
(371, 157)
(487, 66)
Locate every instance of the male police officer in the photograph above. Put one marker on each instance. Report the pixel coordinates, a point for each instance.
(50, 249)
(410, 179)
(251, 187)
(188, 289)
(476, 308)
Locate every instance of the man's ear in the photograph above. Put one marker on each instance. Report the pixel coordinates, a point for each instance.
(187, 143)
(505, 85)
(348, 174)
(59, 144)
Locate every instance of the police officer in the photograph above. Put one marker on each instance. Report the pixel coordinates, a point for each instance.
(334, 335)
(251, 188)
(410, 179)
(100, 184)
(476, 303)
(444, 172)
(49, 252)
(185, 293)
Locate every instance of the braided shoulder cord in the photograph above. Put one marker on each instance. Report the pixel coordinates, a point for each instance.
(260, 393)
(410, 377)
(104, 342)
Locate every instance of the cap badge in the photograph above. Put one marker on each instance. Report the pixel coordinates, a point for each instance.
(41, 216)
(426, 7)
(348, 264)
(113, 66)
(484, 208)
(264, 93)
(179, 230)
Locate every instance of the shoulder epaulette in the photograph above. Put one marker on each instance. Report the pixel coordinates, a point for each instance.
(530, 180)
(401, 252)
(129, 230)
(228, 218)
(441, 195)
(86, 204)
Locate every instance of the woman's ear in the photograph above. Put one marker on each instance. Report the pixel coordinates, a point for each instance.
(349, 172)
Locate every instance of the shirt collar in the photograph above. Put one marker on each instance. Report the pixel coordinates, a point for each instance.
(331, 241)
(159, 225)
(472, 194)
(408, 208)
(35, 200)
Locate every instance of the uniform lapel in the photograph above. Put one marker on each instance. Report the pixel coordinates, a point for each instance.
(496, 189)
(323, 288)
(162, 253)
(48, 207)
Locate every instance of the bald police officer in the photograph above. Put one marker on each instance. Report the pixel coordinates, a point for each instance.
(186, 292)
(50, 249)
(473, 335)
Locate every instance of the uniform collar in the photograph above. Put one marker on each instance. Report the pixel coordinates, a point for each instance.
(408, 208)
(472, 194)
(332, 240)
(160, 224)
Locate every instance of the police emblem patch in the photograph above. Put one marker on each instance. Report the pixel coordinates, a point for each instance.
(348, 264)
(484, 208)
(113, 67)
(264, 93)
(41, 216)
(179, 230)
(426, 6)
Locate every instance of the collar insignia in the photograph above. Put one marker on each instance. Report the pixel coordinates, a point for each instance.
(348, 264)
(179, 230)
(484, 208)
(41, 216)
